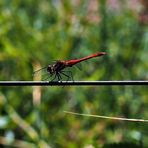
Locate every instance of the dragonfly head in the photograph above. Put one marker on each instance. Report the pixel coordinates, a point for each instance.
(50, 69)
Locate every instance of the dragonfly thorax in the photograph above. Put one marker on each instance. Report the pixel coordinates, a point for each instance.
(56, 68)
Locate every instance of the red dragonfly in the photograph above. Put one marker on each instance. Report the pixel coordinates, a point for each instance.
(57, 69)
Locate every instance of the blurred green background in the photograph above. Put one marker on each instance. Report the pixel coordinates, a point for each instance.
(33, 33)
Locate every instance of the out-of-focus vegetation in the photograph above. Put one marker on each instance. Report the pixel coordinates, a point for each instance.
(33, 33)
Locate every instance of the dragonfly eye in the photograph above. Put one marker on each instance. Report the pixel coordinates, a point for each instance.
(49, 69)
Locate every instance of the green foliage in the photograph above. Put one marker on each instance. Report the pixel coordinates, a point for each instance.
(33, 34)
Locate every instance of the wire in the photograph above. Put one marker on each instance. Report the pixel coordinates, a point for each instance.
(71, 83)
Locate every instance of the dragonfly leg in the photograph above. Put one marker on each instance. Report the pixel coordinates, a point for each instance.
(62, 72)
(59, 76)
(71, 76)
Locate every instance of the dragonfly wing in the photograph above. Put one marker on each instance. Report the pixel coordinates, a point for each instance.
(39, 70)
(79, 66)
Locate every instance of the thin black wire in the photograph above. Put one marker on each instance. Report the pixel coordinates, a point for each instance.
(70, 83)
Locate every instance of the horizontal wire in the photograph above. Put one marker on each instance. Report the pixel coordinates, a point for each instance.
(71, 83)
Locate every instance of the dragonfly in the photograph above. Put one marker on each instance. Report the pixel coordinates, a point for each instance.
(57, 69)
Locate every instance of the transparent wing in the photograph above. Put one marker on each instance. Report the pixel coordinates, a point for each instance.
(79, 66)
(39, 70)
